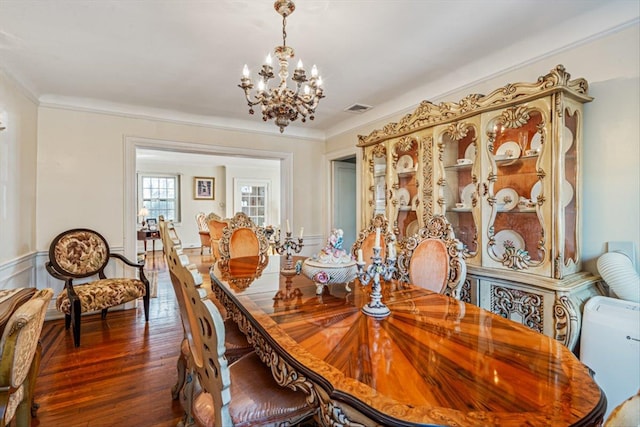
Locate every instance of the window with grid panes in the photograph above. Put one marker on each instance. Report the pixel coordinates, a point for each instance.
(253, 202)
(160, 194)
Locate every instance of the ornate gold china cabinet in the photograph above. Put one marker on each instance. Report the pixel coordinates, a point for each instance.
(505, 170)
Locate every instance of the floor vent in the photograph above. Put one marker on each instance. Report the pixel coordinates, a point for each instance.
(358, 108)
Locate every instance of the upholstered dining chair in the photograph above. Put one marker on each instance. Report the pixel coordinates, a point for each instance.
(20, 352)
(81, 253)
(433, 258)
(243, 393)
(203, 232)
(366, 238)
(242, 238)
(216, 226)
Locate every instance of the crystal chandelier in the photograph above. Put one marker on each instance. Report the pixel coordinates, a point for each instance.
(282, 103)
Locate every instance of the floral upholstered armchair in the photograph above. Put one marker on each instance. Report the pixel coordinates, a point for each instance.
(82, 253)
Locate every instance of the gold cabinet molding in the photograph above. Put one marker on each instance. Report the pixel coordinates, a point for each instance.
(504, 168)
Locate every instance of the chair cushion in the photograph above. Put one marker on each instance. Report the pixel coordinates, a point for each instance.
(102, 294)
(256, 399)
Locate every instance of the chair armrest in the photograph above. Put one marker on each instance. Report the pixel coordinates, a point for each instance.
(127, 261)
(54, 272)
(68, 281)
(138, 265)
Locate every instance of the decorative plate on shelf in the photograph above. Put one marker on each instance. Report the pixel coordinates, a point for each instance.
(466, 195)
(403, 197)
(507, 199)
(535, 191)
(508, 150)
(412, 228)
(567, 193)
(536, 141)
(405, 164)
(567, 139)
(507, 238)
(470, 153)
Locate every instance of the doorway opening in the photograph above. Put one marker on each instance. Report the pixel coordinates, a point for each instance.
(344, 200)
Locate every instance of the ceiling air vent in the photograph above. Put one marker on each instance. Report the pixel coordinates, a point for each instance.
(358, 108)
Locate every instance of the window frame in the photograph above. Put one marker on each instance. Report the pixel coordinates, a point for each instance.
(142, 202)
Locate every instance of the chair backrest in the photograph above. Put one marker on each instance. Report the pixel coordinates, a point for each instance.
(242, 238)
(79, 253)
(18, 347)
(168, 234)
(205, 332)
(201, 221)
(625, 414)
(216, 227)
(366, 238)
(433, 258)
(170, 240)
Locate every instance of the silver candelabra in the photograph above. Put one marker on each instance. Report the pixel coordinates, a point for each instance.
(376, 270)
(288, 247)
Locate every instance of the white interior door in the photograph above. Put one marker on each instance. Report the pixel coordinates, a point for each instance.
(344, 200)
(251, 196)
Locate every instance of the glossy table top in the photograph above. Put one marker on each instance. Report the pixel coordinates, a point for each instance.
(434, 360)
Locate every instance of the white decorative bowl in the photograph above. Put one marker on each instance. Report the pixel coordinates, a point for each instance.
(337, 273)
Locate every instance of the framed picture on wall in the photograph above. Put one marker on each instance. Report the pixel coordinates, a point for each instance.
(203, 188)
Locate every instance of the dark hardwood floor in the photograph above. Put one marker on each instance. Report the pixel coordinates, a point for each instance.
(123, 371)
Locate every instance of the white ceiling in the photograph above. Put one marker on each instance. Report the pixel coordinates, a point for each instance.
(182, 59)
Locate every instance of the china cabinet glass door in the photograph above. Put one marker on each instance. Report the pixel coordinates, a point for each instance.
(457, 145)
(405, 186)
(377, 159)
(518, 195)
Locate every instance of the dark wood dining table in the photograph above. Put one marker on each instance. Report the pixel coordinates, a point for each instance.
(434, 361)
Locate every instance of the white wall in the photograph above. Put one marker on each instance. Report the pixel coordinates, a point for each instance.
(611, 156)
(81, 168)
(19, 116)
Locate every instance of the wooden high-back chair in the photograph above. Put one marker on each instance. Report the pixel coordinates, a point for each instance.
(216, 227)
(366, 238)
(433, 258)
(236, 343)
(243, 393)
(203, 232)
(243, 238)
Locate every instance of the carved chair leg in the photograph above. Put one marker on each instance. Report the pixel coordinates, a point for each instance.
(67, 321)
(145, 300)
(76, 312)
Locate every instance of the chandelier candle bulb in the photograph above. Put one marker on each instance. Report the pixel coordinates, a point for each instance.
(288, 228)
(245, 71)
(360, 255)
(301, 232)
(377, 241)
